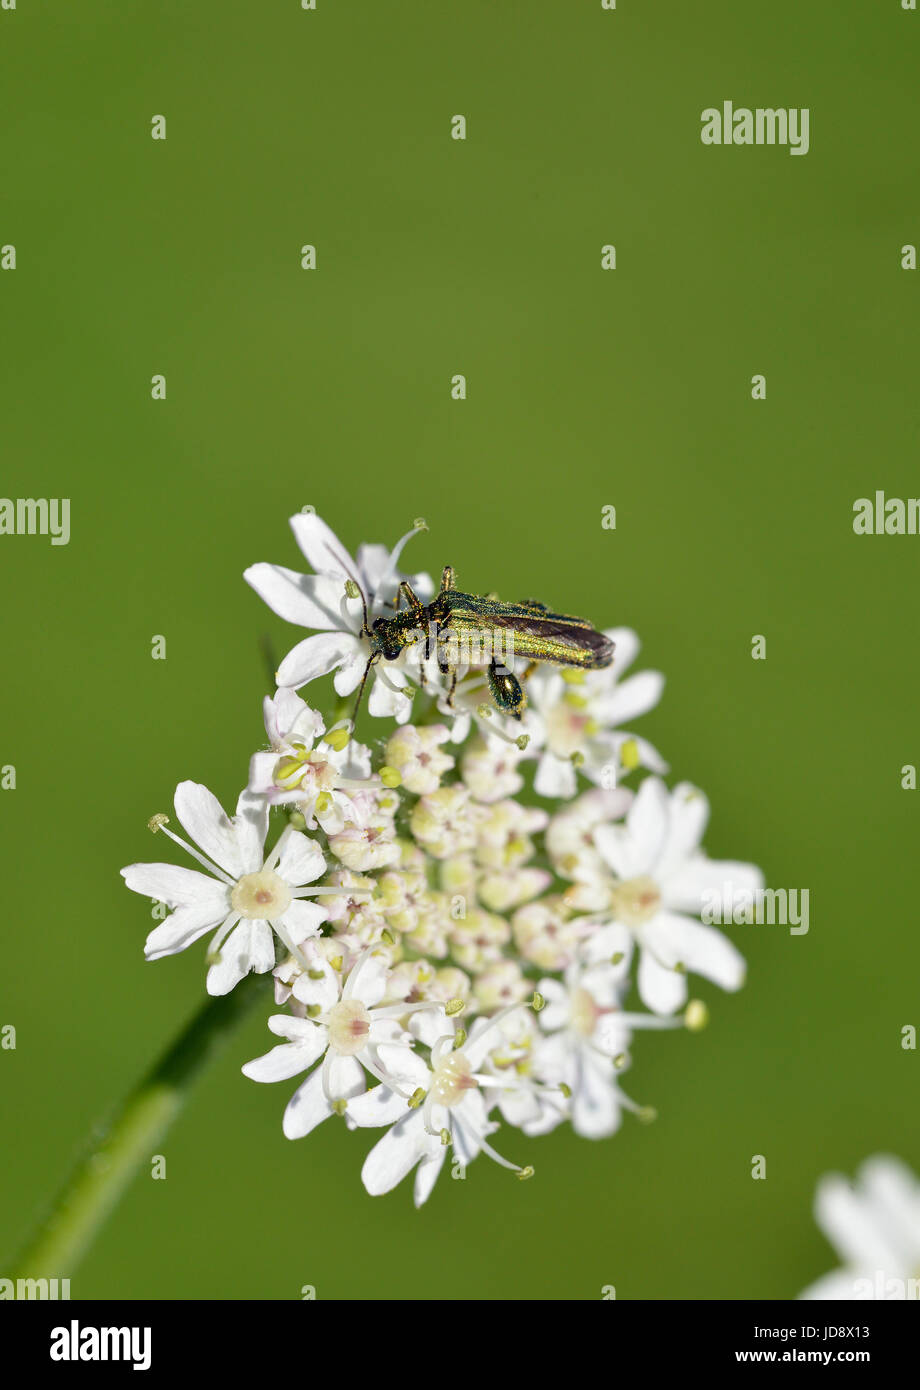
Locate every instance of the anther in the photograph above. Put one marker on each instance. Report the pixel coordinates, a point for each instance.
(696, 1015)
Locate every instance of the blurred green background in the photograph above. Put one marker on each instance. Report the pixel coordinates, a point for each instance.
(585, 388)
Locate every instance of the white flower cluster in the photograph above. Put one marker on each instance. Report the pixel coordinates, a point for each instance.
(446, 956)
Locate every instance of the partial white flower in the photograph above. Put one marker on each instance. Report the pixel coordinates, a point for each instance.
(321, 601)
(415, 753)
(449, 1109)
(490, 768)
(523, 1099)
(305, 769)
(662, 876)
(581, 714)
(243, 894)
(445, 822)
(587, 1043)
(369, 841)
(546, 933)
(570, 837)
(874, 1225)
(347, 1026)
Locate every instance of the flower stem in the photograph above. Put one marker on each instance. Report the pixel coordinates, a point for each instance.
(117, 1148)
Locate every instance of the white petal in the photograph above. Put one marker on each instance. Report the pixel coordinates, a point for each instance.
(393, 1156)
(647, 821)
(894, 1193)
(626, 644)
(701, 950)
(299, 1030)
(648, 754)
(324, 992)
(307, 1107)
(555, 1012)
(848, 1220)
(322, 547)
(351, 672)
(302, 920)
(207, 823)
(381, 1106)
(314, 657)
(625, 702)
(250, 825)
(689, 814)
(618, 850)
(403, 1066)
(294, 597)
(262, 772)
(283, 1062)
(367, 980)
(604, 982)
(374, 564)
(661, 990)
(301, 860)
(296, 719)
(181, 928)
(595, 1108)
(715, 884)
(427, 1175)
(387, 702)
(607, 942)
(484, 1039)
(430, 1025)
(838, 1286)
(344, 1076)
(555, 777)
(178, 887)
(250, 946)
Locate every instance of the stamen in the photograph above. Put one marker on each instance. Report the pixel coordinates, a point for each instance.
(318, 892)
(373, 1066)
(397, 1010)
(487, 1148)
(275, 855)
(196, 854)
(387, 577)
(349, 987)
(220, 936)
(492, 727)
(284, 938)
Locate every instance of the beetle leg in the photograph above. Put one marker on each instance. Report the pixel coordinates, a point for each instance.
(447, 578)
(453, 687)
(374, 658)
(412, 599)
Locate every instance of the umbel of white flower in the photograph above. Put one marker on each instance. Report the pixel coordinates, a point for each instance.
(448, 957)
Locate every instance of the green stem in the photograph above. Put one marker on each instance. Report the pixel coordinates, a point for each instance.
(118, 1148)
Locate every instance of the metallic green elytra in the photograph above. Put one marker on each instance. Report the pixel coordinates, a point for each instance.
(467, 630)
